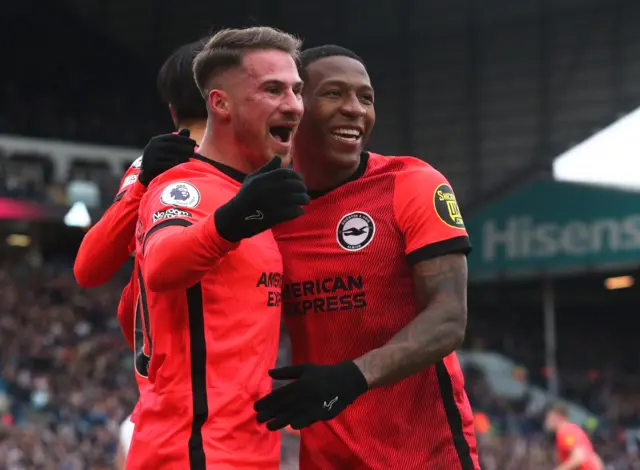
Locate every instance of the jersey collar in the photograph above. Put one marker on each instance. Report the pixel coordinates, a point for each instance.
(226, 169)
(362, 167)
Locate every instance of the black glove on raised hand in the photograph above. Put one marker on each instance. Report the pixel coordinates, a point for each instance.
(319, 393)
(269, 196)
(164, 152)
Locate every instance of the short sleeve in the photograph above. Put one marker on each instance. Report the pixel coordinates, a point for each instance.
(428, 215)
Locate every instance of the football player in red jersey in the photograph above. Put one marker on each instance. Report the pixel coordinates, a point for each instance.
(374, 296)
(210, 269)
(573, 447)
(108, 244)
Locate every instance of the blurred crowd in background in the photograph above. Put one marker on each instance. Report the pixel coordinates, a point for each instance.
(67, 382)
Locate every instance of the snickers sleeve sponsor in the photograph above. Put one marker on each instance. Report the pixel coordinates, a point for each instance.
(428, 215)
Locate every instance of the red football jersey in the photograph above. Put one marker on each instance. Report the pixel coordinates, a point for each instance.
(213, 329)
(349, 289)
(130, 316)
(568, 437)
(108, 244)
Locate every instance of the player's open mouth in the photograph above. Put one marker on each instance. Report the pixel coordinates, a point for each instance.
(281, 133)
(347, 134)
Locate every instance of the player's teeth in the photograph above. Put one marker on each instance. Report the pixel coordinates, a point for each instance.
(345, 131)
(348, 135)
(347, 138)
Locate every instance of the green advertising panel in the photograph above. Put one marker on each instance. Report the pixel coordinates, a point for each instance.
(551, 227)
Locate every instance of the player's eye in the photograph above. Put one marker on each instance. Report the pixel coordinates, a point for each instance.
(367, 99)
(335, 93)
(273, 90)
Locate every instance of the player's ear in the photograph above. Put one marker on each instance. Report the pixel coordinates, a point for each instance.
(219, 102)
(174, 117)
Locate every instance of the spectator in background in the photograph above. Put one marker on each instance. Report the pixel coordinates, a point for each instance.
(573, 446)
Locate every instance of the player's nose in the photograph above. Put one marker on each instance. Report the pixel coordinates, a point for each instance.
(291, 104)
(351, 106)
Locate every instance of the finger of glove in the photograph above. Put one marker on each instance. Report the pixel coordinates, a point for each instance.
(182, 136)
(286, 185)
(273, 164)
(270, 190)
(287, 372)
(279, 192)
(169, 161)
(300, 199)
(303, 420)
(282, 421)
(277, 408)
(285, 394)
(170, 139)
(273, 178)
(277, 199)
(282, 201)
(286, 214)
(275, 202)
(170, 149)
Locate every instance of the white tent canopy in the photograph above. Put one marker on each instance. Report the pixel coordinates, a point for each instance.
(610, 157)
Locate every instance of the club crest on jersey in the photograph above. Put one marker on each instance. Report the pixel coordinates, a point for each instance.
(355, 231)
(137, 163)
(446, 206)
(180, 194)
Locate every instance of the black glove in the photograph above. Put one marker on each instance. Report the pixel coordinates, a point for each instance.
(164, 152)
(269, 196)
(320, 393)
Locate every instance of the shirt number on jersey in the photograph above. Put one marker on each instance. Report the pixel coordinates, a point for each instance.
(141, 336)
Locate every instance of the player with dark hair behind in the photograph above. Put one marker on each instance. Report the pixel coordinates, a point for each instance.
(180, 92)
(107, 245)
(110, 242)
(210, 267)
(375, 280)
(573, 446)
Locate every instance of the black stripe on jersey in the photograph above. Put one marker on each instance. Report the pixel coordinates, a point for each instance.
(120, 195)
(453, 417)
(460, 244)
(198, 359)
(197, 460)
(161, 225)
(145, 308)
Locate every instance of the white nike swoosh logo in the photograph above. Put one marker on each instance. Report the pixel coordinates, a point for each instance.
(330, 404)
(257, 216)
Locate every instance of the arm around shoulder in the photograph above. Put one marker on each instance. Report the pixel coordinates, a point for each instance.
(105, 247)
(437, 330)
(436, 244)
